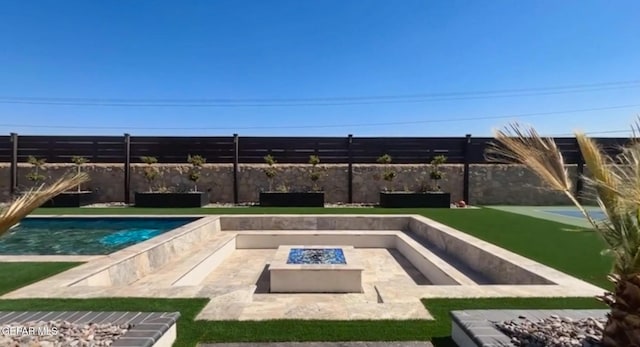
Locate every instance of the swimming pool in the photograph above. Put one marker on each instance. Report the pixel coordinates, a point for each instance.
(597, 215)
(84, 236)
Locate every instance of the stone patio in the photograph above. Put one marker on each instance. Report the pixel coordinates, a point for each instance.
(224, 258)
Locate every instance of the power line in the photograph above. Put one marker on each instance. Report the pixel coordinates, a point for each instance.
(596, 132)
(442, 120)
(330, 101)
(498, 91)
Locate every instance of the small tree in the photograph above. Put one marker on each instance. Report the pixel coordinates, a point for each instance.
(79, 161)
(270, 171)
(196, 162)
(35, 176)
(389, 174)
(150, 172)
(435, 173)
(314, 172)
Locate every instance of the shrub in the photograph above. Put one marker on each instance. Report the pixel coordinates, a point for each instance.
(37, 164)
(150, 172)
(79, 161)
(270, 171)
(389, 174)
(314, 172)
(196, 162)
(435, 173)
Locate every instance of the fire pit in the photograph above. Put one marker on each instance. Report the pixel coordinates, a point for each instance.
(315, 269)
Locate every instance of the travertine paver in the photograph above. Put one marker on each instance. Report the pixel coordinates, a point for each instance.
(248, 267)
(243, 267)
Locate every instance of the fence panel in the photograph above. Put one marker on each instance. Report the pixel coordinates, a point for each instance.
(177, 149)
(60, 149)
(403, 150)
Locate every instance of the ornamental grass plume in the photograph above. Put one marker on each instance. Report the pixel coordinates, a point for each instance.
(35, 197)
(616, 182)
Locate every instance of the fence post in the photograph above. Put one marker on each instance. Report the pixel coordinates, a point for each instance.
(14, 164)
(579, 173)
(127, 168)
(350, 169)
(236, 143)
(467, 160)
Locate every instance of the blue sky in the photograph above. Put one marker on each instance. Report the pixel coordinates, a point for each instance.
(283, 63)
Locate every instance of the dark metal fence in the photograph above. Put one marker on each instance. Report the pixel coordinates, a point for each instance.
(235, 149)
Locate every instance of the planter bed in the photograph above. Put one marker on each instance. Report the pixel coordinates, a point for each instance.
(70, 199)
(292, 199)
(476, 328)
(147, 328)
(190, 199)
(412, 200)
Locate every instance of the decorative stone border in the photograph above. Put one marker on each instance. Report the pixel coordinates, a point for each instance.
(150, 329)
(475, 328)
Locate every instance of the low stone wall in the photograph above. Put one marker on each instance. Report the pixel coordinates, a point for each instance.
(488, 184)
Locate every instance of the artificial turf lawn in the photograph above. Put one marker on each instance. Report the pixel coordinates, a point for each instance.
(575, 252)
(190, 332)
(17, 275)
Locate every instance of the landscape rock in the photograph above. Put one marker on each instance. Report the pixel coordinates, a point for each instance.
(60, 334)
(554, 331)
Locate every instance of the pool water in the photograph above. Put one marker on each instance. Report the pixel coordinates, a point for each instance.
(597, 215)
(83, 236)
(316, 256)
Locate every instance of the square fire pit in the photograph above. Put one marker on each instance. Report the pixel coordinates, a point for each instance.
(315, 269)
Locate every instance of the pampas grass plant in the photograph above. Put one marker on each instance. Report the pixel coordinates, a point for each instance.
(34, 198)
(616, 182)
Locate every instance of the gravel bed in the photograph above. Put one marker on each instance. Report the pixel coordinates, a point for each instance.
(60, 334)
(554, 331)
(107, 204)
(252, 204)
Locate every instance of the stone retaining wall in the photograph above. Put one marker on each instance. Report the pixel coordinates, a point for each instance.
(488, 184)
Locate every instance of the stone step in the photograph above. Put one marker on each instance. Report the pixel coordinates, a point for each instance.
(173, 272)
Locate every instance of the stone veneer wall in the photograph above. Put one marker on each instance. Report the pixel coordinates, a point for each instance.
(512, 185)
(488, 183)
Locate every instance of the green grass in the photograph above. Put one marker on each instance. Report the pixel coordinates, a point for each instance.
(576, 253)
(17, 275)
(190, 332)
